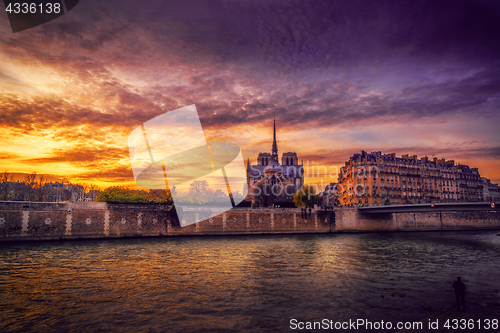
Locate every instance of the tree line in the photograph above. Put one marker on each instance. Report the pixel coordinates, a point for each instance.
(123, 194)
(36, 187)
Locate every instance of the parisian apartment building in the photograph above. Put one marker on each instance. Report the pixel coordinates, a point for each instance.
(375, 178)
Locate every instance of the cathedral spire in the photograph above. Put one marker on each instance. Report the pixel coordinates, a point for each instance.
(274, 153)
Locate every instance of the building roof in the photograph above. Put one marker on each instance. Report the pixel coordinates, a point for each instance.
(407, 160)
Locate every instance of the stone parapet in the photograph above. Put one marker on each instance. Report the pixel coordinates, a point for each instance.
(74, 220)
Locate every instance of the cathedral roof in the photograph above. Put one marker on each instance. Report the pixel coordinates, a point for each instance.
(274, 166)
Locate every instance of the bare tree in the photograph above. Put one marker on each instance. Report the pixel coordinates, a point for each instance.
(93, 190)
(41, 189)
(200, 192)
(5, 186)
(36, 189)
(85, 187)
(30, 182)
(263, 195)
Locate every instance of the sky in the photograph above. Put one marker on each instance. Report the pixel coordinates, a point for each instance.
(416, 77)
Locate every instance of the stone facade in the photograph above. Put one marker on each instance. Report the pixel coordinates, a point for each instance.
(491, 192)
(375, 178)
(269, 176)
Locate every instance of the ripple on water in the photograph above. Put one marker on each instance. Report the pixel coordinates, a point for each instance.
(243, 284)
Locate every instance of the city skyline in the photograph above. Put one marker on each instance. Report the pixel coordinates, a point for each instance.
(406, 77)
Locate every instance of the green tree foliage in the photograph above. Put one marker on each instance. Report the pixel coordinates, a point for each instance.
(306, 197)
(161, 197)
(121, 194)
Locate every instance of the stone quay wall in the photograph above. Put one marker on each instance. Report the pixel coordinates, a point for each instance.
(352, 220)
(73, 220)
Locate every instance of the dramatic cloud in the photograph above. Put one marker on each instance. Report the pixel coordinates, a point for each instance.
(419, 77)
(83, 156)
(4, 155)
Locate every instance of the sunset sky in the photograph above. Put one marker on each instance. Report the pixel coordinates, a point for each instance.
(416, 77)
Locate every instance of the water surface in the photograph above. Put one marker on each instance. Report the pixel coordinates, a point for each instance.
(244, 284)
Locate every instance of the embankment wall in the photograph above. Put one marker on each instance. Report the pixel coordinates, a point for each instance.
(38, 221)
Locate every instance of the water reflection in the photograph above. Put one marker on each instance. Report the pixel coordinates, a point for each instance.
(246, 284)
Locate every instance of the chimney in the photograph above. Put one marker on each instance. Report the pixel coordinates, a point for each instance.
(425, 158)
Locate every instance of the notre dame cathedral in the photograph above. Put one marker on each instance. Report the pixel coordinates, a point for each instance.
(269, 181)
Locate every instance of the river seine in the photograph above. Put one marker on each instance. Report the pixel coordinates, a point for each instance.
(241, 284)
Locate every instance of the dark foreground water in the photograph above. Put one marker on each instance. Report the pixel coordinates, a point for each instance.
(240, 284)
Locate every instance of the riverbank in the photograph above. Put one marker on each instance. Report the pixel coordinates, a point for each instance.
(90, 220)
